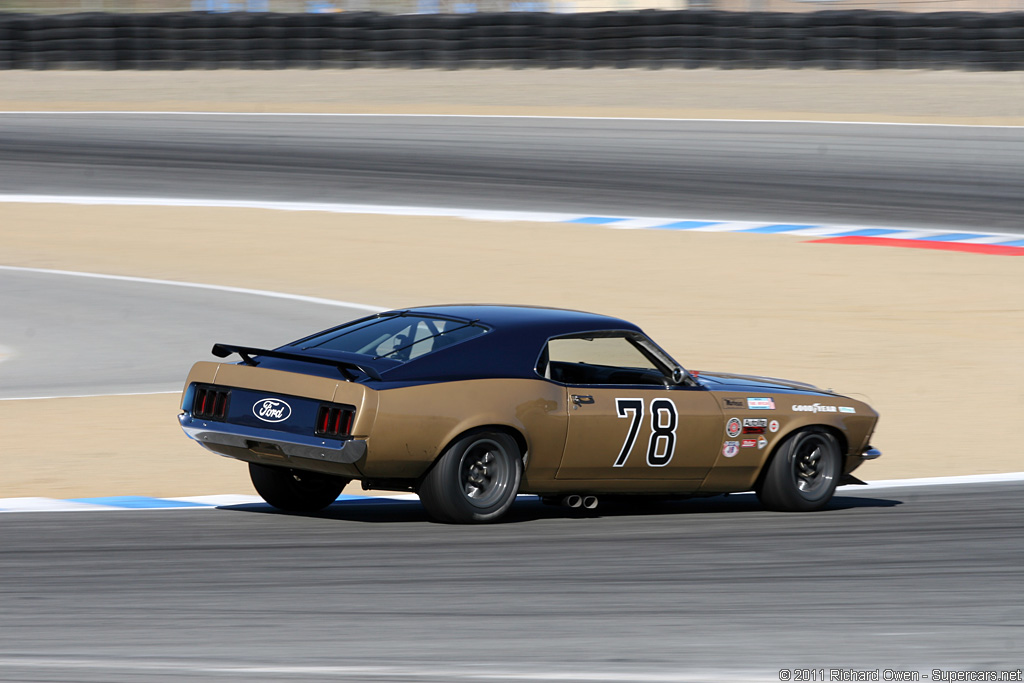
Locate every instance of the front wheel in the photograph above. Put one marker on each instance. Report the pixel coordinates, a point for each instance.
(803, 474)
(475, 480)
(295, 490)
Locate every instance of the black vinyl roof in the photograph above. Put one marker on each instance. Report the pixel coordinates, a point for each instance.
(510, 348)
(556, 321)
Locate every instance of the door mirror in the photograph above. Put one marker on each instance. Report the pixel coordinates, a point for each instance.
(678, 375)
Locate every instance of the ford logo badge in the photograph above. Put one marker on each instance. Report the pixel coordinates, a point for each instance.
(271, 410)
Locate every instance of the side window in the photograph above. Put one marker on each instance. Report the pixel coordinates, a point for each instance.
(598, 360)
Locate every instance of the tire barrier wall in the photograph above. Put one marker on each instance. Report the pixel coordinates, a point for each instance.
(858, 39)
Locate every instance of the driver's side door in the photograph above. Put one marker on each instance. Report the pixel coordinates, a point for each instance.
(626, 419)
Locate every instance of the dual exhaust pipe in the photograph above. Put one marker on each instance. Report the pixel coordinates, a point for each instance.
(576, 501)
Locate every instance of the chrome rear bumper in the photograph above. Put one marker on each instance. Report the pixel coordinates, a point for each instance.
(209, 433)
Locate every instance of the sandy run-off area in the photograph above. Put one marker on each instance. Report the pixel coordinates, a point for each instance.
(809, 94)
(931, 339)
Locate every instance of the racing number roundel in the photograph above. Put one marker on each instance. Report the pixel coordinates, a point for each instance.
(733, 427)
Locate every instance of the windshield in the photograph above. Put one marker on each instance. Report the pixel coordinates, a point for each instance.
(398, 337)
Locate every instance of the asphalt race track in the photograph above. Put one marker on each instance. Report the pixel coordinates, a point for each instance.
(962, 178)
(74, 336)
(897, 578)
(906, 579)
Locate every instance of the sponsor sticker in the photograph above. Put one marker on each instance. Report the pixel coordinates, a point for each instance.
(733, 427)
(761, 403)
(814, 408)
(748, 443)
(773, 426)
(755, 425)
(730, 449)
(271, 410)
(761, 443)
(847, 409)
(732, 402)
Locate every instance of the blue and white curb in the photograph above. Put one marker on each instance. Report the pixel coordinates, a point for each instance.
(126, 503)
(614, 222)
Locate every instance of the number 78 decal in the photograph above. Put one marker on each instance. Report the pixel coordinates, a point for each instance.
(662, 443)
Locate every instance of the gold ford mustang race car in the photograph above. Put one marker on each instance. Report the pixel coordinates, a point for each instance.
(469, 405)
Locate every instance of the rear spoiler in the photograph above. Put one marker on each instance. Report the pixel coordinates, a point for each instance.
(247, 353)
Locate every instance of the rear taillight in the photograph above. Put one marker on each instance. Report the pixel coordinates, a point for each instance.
(334, 420)
(211, 403)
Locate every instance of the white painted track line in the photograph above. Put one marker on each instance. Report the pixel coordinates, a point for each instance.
(38, 504)
(197, 285)
(48, 398)
(941, 481)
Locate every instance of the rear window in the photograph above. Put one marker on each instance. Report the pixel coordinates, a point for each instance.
(398, 337)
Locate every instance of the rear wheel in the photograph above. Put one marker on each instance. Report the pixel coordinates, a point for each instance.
(804, 472)
(295, 490)
(475, 480)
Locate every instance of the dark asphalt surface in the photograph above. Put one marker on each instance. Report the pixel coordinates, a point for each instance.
(963, 178)
(701, 590)
(70, 336)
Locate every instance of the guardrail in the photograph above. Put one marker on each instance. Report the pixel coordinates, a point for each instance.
(858, 39)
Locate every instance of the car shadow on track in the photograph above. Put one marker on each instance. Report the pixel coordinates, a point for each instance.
(530, 508)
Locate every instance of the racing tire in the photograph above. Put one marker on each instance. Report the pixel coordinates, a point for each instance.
(475, 480)
(804, 472)
(295, 490)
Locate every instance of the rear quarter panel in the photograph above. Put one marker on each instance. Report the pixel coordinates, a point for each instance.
(414, 424)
